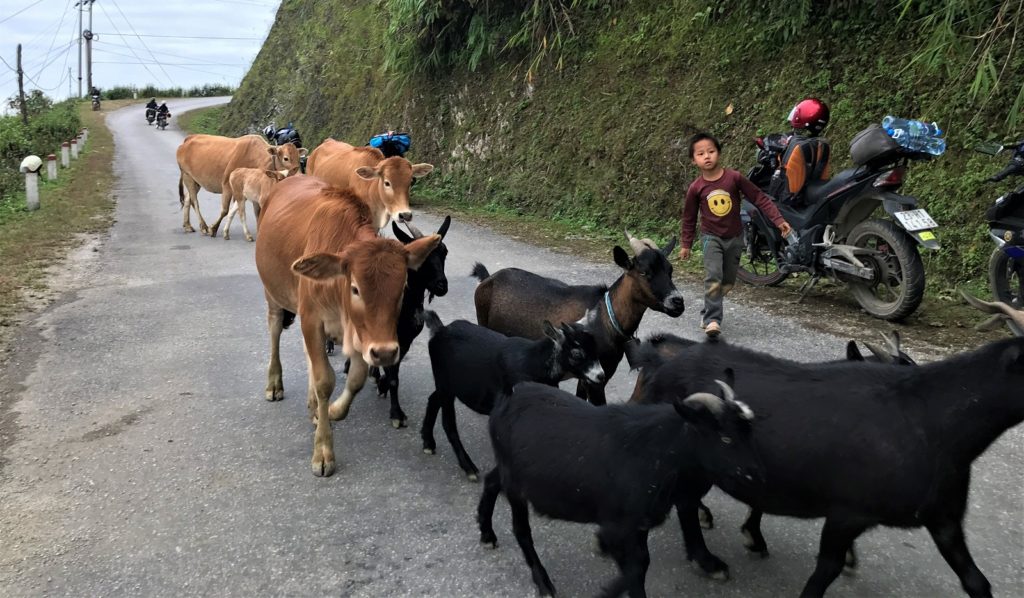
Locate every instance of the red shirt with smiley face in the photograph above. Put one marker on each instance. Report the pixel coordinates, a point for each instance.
(719, 205)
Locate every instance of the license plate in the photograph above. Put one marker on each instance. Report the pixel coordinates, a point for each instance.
(915, 220)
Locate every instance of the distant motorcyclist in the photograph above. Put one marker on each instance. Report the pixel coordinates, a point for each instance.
(163, 110)
(152, 105)
(391, 143)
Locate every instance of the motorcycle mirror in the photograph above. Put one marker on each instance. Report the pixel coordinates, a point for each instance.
(989, 147)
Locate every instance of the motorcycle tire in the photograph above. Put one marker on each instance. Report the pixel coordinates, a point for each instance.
(758, 267)
(1006, 279)
(908, 274)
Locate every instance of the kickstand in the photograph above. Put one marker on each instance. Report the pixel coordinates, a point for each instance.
(807, 286)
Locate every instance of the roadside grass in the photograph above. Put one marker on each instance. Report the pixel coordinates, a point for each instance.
(78, 203)
(202, 120)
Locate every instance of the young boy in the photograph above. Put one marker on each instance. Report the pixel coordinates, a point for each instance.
(716, 194)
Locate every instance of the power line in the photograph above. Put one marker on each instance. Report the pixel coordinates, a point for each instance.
(132, 27)
(20, 11)
(145, 66)
(182, 36)
(161, 53)
(231, 64)
(53, 40)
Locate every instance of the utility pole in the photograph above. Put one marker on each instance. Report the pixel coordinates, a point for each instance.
(21, 90)
(88, 35)
(80, 7)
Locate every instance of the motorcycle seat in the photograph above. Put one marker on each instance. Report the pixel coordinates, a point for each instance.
(817, 191)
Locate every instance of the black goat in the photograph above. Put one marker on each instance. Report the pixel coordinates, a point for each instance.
(476, 365)
(620, 466)
(515, 302)
(426, 282)
(863, 444)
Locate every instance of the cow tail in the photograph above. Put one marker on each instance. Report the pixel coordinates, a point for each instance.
(181, 191)
(480, 272)
(289, 318)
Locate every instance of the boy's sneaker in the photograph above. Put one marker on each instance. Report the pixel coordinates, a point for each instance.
(712, 330)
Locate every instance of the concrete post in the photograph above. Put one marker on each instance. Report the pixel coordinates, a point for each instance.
(65, 149)
(74, 148)
(85, 136)
(32, 191)
(51, 167)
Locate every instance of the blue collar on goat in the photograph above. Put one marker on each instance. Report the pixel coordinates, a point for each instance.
(611, 315)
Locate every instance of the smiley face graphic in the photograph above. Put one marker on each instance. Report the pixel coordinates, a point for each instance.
(719, 202)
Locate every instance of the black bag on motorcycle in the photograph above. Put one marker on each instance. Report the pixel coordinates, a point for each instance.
(873, 147)
(805, 159)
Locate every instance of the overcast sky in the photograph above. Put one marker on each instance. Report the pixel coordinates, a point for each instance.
(169, 43)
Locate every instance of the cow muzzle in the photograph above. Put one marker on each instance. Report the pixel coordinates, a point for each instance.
(404, 216)
(383, 354)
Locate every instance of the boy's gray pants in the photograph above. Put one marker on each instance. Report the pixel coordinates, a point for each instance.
(721, 260)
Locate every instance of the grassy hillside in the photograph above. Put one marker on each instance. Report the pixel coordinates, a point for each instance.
(600, 142)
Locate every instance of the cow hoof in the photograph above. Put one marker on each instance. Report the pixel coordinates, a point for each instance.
(188, 229)
(227, 237)
(204, 229)
(337, 412)
(398, 424)
(275, 395)
(323, 468)
(249, 238)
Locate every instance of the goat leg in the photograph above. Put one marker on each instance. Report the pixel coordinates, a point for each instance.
(948, 534)
(521, 528)
(389, 380)
(451, 429)
(837, 537)
(485, 509)
(693, 538)
(629, 549)
(707, 520)
(429, 418)
(753, 539)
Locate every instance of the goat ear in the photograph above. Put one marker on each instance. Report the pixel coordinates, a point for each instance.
(622, 258)
(321, 266)
(553, 333)
(853, 352)
(444, 226)
(669, 248)
(1014, 359)
(400, 234)
(419, 250)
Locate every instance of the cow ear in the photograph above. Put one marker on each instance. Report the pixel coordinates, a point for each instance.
(853, 352)
(271, 150)
(321, 266)
(367, 173)
(303, 152)
(274, 174)
(422, 170)
(622, 258)
(419, 250)
(400, 234)
(444, 226)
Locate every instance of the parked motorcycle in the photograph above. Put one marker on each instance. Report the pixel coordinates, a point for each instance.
(835, 234)
(161, 120)
(1006, 227)
(150, 115)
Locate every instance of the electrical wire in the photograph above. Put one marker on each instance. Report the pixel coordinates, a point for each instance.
(144, 65)
(5, 19)
(132, 27)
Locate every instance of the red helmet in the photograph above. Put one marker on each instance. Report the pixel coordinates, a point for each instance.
(810, 114)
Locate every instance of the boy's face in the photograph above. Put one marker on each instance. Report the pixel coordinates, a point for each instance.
(705, 154)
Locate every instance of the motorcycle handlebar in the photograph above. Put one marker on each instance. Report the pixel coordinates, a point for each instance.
(1013, 168)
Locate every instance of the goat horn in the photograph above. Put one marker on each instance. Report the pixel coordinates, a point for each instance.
(727, 392)
(636, 244)
(882, 355)
(892, 340)
(416, 233)
(730, 397)
(1014, 317)
(709, 401)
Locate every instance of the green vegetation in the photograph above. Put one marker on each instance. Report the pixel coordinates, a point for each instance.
(49, 125)
(125, 92)
(202, 120)
(579, 111)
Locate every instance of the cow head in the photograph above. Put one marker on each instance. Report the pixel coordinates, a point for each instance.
(430, 276)
(652, 273)
(285, 157)
(393, 177)
(370, 280)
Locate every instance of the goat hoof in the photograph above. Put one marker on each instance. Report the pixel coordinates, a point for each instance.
(428, 451)
(722, 575)
(488, 540)
(473, 477)
(398, 424)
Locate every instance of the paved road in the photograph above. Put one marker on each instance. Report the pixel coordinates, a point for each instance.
(143, 460)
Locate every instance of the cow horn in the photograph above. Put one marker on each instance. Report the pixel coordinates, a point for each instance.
(1014, 318)
(416, 233)
(709, 401)
(882, 355)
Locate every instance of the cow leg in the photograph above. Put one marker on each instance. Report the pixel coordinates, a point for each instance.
(275, 324)
(321, 387)
(485, 509)
(226, 195)
(836, 539)
(429, 418)
(240, 204)
(451, 430)
(693, 537)
(353, 383)
(231, 216)
(521, 528)
(948, 534)
(753, 539)
(191, 202)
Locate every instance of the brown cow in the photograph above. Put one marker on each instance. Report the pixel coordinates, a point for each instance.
(250, 184)
(206, 161)
(319, 256)
(383, 183)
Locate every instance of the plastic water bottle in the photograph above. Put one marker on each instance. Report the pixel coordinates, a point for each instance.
(915, 135)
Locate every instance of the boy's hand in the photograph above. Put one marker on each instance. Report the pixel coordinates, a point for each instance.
(684, 253)
(785, 229)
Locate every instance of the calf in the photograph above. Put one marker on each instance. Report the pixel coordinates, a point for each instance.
(621, 467)
(424, 283)
(515, 302)
(250, 184)
(862, 444)
(476, 365)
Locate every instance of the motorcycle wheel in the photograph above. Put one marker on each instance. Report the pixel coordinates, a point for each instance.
(758, 266)
(898, 287)
(1006, 279)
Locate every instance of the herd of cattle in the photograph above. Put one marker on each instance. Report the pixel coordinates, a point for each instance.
(860, 442)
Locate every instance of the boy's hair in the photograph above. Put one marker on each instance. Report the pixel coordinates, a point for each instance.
(701, 137)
